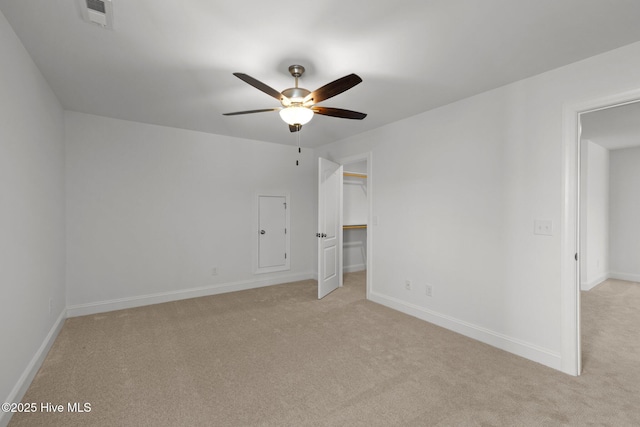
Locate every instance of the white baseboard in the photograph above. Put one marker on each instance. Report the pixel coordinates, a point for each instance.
(631, 277)
(587, 286)
(352, 268)
(18, 391)
(161, 297)
(518, 347)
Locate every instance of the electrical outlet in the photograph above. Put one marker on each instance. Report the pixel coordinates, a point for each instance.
(543, 227)
(407, 285)
(428, 290)
(214, 271)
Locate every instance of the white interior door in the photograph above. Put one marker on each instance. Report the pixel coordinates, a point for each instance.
(329, 227)
(272, 233)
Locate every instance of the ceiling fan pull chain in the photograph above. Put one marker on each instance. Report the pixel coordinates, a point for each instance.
(298, 139)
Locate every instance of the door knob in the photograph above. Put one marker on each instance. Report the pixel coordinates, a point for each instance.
(262, 232)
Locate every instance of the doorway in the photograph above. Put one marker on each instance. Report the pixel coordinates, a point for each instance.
(358, 219)
(609, 205)
(572, 257)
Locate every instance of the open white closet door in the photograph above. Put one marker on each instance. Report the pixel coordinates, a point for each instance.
(329, 227)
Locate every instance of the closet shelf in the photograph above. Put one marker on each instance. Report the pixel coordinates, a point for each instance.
(352, 227)
(355, 175)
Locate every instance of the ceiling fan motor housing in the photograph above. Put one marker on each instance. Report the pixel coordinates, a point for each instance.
(296, 94)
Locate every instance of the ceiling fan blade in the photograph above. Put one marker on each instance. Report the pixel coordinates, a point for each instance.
(295, 128)
(250, 111)
(259, 85)
(334, 88)
(339, 112)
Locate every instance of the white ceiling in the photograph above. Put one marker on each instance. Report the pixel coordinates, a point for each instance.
(171, 62)
(613, 128)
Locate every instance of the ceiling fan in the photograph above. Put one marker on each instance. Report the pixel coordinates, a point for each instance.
(299, 104)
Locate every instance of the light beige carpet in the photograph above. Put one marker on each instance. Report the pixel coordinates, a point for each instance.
(276, 356)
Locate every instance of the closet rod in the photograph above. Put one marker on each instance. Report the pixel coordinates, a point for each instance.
(349, 227)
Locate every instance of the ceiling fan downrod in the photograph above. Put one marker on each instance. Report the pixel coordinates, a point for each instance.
(296, 71)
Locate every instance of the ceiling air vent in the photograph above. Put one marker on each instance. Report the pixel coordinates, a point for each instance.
(98, 12)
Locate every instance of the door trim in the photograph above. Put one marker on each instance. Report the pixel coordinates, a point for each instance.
(571, 362)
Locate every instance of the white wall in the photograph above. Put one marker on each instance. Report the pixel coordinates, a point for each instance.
(594, 214)
(151, 210)
(457, 190)
(625, 214)
(355, 207)
(31, 217)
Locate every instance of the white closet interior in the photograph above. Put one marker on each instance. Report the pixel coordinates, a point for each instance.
(355, 211)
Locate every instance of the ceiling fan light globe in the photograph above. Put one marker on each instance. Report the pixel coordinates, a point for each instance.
(296, 115)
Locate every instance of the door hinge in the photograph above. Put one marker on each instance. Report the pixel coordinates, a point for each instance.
(285, 205)
(285, 231)
(285, 255)
(576, 257)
